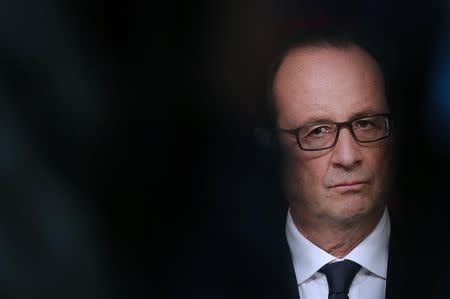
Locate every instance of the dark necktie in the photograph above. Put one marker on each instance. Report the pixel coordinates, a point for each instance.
(340, 276)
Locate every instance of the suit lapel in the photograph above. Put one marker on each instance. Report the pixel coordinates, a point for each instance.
(284, 275)
(400, 274)
(291, 280)
(396, 267)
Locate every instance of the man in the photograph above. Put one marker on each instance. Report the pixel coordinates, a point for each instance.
(337, 238)
(331, 105)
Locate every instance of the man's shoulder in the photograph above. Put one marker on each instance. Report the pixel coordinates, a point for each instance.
(406, 267)
(228, 262)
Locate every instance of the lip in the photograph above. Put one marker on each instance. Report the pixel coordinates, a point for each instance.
(350, 186)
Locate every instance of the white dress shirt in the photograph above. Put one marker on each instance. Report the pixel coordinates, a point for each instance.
(371, 254)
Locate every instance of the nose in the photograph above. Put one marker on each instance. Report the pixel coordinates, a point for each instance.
(347, 152)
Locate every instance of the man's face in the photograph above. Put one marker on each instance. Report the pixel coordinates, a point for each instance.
(344, 183)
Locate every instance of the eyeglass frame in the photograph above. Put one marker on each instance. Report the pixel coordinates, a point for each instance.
(339, 125)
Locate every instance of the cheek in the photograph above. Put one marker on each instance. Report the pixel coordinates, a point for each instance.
(308, 170)
(379, 163)
(304, 172)
(313, 173)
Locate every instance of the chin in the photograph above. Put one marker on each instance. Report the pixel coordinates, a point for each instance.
(354, 207)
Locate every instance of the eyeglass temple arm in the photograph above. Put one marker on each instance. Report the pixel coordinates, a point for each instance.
(289, 131)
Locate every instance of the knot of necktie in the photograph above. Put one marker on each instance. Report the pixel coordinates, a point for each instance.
(340, 276)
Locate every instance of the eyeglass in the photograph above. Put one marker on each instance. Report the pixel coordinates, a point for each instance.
(324, 135)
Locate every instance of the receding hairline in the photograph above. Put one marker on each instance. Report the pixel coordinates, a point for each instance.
(344, 47)
(313, 47)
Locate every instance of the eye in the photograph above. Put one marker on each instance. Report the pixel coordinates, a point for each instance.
(318, 131)
(365, 124)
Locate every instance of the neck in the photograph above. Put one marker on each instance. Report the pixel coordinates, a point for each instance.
(337, 238)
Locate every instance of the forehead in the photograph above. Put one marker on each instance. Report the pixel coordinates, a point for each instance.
(327, 83)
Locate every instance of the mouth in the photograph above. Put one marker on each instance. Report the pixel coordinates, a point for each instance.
(349, 186)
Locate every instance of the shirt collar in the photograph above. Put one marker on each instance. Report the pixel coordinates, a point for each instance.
(371, 253)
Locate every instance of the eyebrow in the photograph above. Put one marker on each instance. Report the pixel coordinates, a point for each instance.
(365, 113)
(321, 119)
